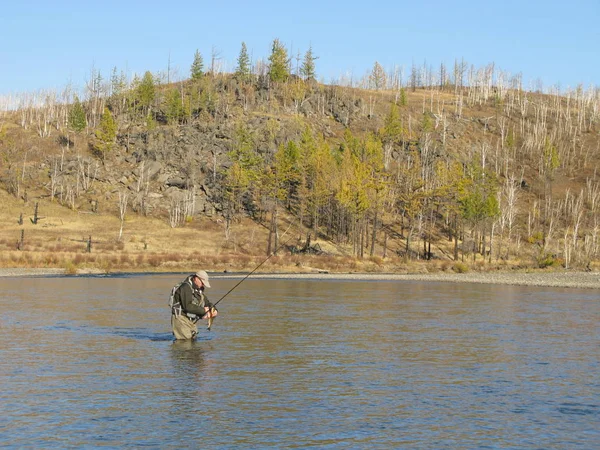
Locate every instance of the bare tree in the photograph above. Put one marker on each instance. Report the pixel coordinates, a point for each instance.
(123, 197)
(215, 58)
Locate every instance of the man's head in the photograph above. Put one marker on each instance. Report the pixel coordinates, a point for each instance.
(202, 276)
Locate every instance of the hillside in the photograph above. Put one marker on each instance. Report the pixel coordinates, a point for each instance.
(220, 171)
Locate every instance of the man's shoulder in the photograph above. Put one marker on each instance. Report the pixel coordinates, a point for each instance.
(184, 285)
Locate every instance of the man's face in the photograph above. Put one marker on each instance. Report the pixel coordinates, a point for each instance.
(198, 282)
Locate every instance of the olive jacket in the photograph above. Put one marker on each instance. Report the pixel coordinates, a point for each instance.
(192, 300)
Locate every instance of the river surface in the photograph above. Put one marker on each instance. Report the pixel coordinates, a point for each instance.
(88, 362)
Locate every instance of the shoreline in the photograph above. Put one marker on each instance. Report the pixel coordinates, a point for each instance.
(564, 279)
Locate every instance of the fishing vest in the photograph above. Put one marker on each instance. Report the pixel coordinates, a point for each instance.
(175, 305)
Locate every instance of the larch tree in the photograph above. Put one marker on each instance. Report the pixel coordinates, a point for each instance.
(241, 176)
(243, 70)
(279, 181)
(106, 133)
(479, 202)
(118, 88)
(146, 93)
(279, 67)
(197, 68)
(175, 107)
(77, 119)
(308, 70)
(392, 134)
(378, 78)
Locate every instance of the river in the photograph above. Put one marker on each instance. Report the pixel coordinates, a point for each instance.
(89, 362)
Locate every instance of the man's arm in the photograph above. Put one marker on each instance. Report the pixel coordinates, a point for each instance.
(189, 303)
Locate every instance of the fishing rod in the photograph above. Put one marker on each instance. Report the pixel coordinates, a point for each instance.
(256, 268)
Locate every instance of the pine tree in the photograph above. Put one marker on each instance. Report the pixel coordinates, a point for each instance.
(197, 69)
(279, 68)
(242, 72)
(308, 65)
(77, 120)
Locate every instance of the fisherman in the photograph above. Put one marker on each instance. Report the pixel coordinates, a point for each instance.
(189, 304)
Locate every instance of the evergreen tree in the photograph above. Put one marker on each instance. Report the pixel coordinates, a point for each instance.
(279, 70)
(197, 69)
(308, 65)
(242, 72)
(146, 91)
(175, 107)
(77, 119)
(426, 123)
(403, 98)
(117, 83)
(392, 130)
(106, 132)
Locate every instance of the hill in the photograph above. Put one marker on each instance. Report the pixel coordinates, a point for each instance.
(221, 170)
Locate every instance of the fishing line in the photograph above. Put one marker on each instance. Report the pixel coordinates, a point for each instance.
(257, 267)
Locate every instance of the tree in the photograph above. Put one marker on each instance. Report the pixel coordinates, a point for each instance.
(106, 132)
(279, 182)
(240, 177)
(308, 65)
(175, 107)
(122, 211)
(391, 134)
(215, 56)
(118, 88)
(378, 78)
(478, 200)
(279, 70)
(146, 92)
(242, 71)
(77, 119)
(197, 69)
(403, 99)
(321, 169)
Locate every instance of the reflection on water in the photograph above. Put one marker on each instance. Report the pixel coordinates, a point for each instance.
(87, 362)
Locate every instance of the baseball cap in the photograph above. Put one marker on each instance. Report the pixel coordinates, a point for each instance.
(204, 277)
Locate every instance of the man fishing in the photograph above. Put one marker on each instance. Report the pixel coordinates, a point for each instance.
(189, 304)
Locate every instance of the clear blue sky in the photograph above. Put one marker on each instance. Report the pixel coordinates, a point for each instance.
(47, 44)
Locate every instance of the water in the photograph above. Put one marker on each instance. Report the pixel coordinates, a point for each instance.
(90, 362)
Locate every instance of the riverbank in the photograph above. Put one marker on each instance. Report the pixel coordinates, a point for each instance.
(580, 280)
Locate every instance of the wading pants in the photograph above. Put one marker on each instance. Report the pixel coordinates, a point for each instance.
(183, 328)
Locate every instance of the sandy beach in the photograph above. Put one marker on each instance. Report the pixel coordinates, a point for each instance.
(580, 280)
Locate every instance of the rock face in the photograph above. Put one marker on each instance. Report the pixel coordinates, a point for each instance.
(172, 166)
(166, 167)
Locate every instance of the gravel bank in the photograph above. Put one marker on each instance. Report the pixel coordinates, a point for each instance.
(17, 272)
(581, 280)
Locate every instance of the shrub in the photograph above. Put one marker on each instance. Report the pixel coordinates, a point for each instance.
(154, 260)
(460, 267)
(378, 260)
(547, 260)
(70, 268)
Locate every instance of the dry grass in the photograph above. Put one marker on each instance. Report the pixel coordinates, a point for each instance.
(60, 240)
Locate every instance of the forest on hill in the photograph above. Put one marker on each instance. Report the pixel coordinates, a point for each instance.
(448, 163)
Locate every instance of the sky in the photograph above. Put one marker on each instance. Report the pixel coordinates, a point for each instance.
(46, 45)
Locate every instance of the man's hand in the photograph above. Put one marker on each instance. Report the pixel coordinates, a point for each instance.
(210, 312)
